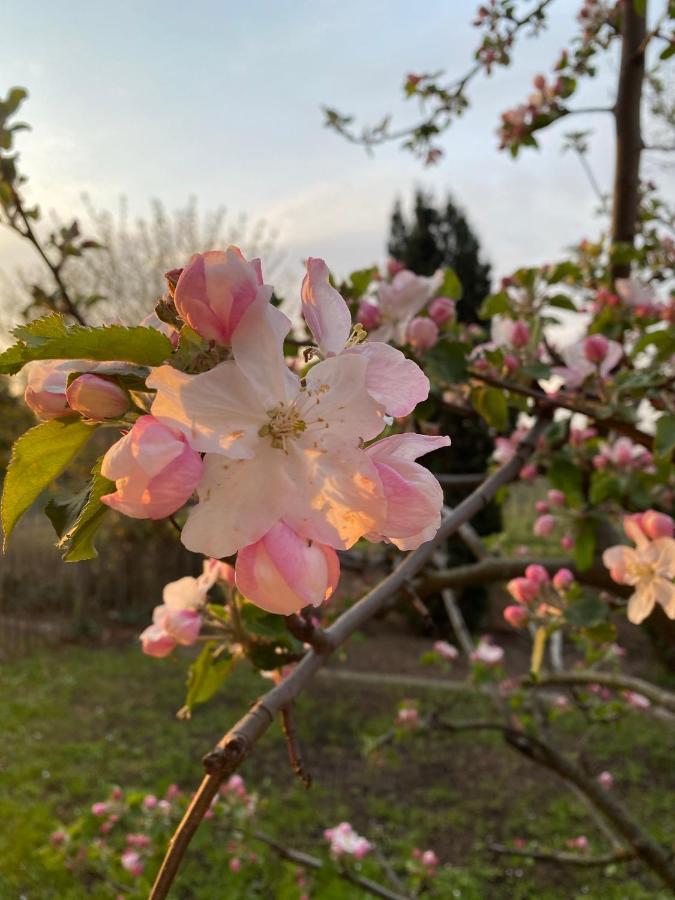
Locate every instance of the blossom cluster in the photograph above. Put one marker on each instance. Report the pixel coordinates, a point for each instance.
(288, 461)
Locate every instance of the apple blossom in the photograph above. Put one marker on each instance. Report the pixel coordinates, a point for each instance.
(45, 390)
(487, 653)
(422, 333)
(368, 315)
(578, 367)
(154, 469)
(556, 497)
(131, 861)
(563, 579)
(413, 496)
(578, 843)
(429, 858)
(595, 347)
(605, 780)
(657, 525)
(442, 310)
(344, 841)
(97, 398)
(517, 616)
(235, 864)
(283, 572)
(408, 717)
(537, 574)
(401, 300)
(541, 507)
(637, 701)
(214, 291)
(567, 542)
(649, 568)
(524, 590)
(446, 651)
(100, 809)
(392, 380)
(544, 526)
(529, 472)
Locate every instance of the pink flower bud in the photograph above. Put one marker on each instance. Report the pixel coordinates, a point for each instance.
(579, 843)
(45, 391)
(556, 498)
(99, 809)
(422, 333)
(567, 542)
(539, 82)
(516, 616)
(442, 310)
(235, 864)
(429, 858)
(131, 861)
(446, 650)
(528, 472)
(282, 572)
(524, 590)
(97, 398)
(596, 347)
(368, 314)
(157, 642)
(117, 793)
(511, 364)
(544, 526)
(538, 574)
(214, 291)
(154, 468)
(606, 780)
(518, 333)
(56, 838)
(657, 525)
(599, 461)
(394, 267)
(562, 579)
(541, 506)
(150, 801)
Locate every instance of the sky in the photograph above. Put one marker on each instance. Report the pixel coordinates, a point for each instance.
(222, 101)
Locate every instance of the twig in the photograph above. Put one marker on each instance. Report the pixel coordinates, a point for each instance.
(619, 682)
(312, 862)
(575, 859)
(294, 752)
(236, 745)
(457, 621)
(459, 481)
(308, 632)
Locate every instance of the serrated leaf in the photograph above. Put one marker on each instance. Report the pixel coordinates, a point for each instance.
(495, 305)
(78, 541)
(664, 439)
(490, 403)
(261, 623)
(38, 457)
(50, 338)
(446, 361)
(206, 674)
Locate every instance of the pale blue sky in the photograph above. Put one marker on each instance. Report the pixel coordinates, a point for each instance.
(222, 100)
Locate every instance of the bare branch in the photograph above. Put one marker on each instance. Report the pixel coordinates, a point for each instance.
(574, 859)
(294, 752)
(619, 682)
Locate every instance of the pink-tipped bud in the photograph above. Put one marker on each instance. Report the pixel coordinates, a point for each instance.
(154, 468)
(657, 525)
(131, 861)
(563, 579)
(446, 651)
(541, 507)
(150, 801)
(556, 497)
(442, 310)
(368, 314)
(429, 858)
(538, 574)
(394, 267)
(235, 864)
(226, 573)
(214, 291)
(567, 542)
(511, 364)
(528, 472)
(99, 809)
(45, 391)
(606, 780)
(524, 590)
(282, 572)
(596, 347)
(539, 82)
(516, 616)
(544, 526)
(518, 333)
(97, 398)
(422, 333)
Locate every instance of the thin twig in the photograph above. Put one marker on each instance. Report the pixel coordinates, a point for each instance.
(236, 745)
(619, 682)
(294, 752)
(574, 859)
(457, 621)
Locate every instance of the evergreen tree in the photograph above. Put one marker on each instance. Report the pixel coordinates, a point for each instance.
(436, 236)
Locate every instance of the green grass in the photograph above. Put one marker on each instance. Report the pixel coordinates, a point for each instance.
(76, 721)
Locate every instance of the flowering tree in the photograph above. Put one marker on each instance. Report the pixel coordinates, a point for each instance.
(274, 452)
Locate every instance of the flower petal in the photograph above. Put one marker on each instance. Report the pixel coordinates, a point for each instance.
(393, 380)
(642, 601)
(325, 311)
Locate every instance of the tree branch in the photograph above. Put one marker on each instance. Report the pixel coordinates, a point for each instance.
(575, 859)
(659, 696)
(236, 745)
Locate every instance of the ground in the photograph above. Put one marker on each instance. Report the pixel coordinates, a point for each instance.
(78, 720)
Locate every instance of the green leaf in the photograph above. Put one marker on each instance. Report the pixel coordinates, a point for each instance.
(495, 305)
(452, 286)
(51, 338)
(604, 486)
(587, 612)
(361, 279)
(206, 674)
(38, 457)
(446, 361)
(561, 301)
(664, 439)
(78, 541)
(491, 404)
(584, 544)
(662, 339)
(262, 623)
(566, 476)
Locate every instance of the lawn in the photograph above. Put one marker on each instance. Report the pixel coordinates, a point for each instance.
(78, 720)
